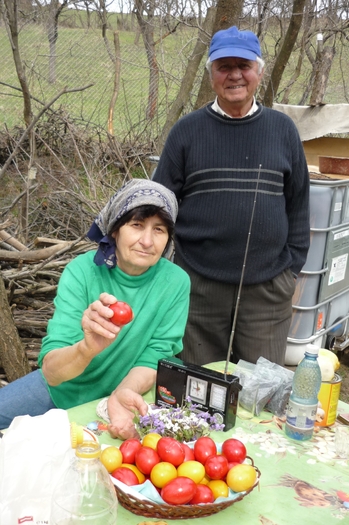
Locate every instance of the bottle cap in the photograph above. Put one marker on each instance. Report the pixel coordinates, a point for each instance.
(312, 349)
(76, 434)
(88, 450)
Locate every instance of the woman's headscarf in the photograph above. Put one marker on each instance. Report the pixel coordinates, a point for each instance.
(136, 192)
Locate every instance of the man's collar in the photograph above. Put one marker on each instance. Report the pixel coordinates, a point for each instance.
(216, 107)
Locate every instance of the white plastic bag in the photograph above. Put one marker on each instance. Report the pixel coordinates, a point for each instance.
(34, 452)
(268, 381)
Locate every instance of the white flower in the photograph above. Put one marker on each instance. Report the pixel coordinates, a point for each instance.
(183, 423)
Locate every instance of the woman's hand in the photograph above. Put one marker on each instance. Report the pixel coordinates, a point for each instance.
(66, 363)
(123, 404)
(99, 331)
(126, 401)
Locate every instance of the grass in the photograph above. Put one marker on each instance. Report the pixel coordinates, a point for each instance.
(343, 371)
(82, 58)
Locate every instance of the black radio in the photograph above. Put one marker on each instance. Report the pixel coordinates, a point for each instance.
(213, 392)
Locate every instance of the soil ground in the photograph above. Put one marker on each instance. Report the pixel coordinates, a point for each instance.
(343, 371)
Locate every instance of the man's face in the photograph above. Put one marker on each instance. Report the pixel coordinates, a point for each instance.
(235, 81)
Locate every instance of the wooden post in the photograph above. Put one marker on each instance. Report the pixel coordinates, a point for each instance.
(324, 60)
(25, 204)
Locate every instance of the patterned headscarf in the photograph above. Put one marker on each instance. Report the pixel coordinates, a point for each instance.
(136, 192)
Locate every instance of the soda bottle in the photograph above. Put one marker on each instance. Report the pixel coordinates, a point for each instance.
(303, 402)
(85, 493)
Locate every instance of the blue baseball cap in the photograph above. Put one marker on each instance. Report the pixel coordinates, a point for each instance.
(234, 43)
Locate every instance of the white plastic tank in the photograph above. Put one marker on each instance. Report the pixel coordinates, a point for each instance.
(329, 211)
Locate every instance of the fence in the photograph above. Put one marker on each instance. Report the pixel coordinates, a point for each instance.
(82, 58)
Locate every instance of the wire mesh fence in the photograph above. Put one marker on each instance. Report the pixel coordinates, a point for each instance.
(82, 57)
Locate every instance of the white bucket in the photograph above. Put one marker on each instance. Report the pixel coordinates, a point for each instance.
(295, 352)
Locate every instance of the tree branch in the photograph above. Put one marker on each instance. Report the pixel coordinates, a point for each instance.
(35, 120)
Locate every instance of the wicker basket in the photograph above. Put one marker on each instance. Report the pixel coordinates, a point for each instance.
(150, 509)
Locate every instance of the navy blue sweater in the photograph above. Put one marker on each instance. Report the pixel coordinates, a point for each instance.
(212, 163)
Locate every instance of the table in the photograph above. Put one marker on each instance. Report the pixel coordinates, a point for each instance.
(301, 483)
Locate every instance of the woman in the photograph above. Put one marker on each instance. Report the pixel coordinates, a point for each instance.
(84, 355)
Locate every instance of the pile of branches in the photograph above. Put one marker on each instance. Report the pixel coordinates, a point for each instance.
(49, 197)
(68, 142)
(30, 277)
(31, 265)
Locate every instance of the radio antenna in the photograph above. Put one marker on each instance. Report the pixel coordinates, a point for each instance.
(230, 347)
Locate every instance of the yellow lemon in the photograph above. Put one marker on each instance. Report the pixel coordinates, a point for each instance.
(241, 477)
(192, 469)
(219, 488)
(162, 473)
(151, 440)
(332, 356)
(326, 367)
(111, 458)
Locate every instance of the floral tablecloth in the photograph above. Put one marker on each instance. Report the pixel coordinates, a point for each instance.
(301, 483)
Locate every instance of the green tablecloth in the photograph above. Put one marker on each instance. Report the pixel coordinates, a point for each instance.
(301, 483)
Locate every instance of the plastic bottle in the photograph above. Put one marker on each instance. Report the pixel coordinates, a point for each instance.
(303, 402)
(85, 493)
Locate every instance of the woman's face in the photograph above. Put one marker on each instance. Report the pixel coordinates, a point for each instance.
(140, 244)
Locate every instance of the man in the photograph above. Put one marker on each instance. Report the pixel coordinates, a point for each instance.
(222, 162)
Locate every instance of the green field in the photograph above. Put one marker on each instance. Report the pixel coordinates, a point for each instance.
(82, 59)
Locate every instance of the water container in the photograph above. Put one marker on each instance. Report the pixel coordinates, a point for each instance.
(303, 402)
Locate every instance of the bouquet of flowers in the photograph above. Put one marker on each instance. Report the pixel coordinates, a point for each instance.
(183, 423)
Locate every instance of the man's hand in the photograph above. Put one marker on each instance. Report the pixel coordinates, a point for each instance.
(123, 404)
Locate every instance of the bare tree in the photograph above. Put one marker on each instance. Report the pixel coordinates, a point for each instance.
(302, 78)
(332, 28)
(12, 356)
(51, 12)
(308, 20)
(115, 57)
(117, 66)
(145, 12)
(10, 15)
(189, 77)
(328, 25)
(56, 8)
(227, 14)
(263, 10)
(322, 67)
(285, 52)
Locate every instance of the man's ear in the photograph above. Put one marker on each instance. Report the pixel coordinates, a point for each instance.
(261, 75)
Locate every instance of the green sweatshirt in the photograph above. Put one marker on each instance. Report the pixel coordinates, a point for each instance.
(159, 299)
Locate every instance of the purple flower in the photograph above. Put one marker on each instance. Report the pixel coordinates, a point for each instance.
(185, 423)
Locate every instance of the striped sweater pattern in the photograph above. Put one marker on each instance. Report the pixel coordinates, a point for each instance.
(214, 165)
